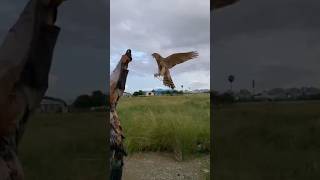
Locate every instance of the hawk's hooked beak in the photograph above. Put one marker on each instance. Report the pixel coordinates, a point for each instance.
(154, 55)
(128, 53)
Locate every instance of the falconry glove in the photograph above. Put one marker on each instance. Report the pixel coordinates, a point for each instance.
(117, 86)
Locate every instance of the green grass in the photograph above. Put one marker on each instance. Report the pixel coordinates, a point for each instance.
(73, 145)
(263, 141)
(65, 147)
(166, 123)
(252, 141)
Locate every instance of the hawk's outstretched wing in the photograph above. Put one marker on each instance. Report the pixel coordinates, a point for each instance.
(178, 58)
(167, 81)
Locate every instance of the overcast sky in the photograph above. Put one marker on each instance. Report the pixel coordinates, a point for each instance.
(277, 43)
(164, 27)
(80, 61)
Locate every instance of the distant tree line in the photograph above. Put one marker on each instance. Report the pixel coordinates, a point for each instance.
(138, 93)
(275, 94)
(222, 98)
(167, 92)
(96, 99)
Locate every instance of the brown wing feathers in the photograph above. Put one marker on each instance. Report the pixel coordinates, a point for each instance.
(170, 62)
(178, 58)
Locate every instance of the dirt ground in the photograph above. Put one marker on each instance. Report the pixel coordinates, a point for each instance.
(162, 166)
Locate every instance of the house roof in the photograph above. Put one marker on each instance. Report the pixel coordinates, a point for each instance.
(51, 100)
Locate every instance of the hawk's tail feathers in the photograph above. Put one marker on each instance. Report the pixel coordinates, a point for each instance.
(167, 81)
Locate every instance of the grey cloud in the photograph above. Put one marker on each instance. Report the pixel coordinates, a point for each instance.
(157, 24)
(249, 16)
(80, 61)
(274, 42)
(293, 77)
(164, 27)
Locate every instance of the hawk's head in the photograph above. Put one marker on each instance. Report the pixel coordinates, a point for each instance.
(156, 55)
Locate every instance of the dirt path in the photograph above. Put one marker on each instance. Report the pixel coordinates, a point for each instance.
(162, 166)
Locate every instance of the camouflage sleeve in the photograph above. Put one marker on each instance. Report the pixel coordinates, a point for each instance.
(25, 59)
(22, 101)
(13, 56)
(117, 87)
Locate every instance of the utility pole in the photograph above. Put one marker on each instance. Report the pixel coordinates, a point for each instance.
(253, 87)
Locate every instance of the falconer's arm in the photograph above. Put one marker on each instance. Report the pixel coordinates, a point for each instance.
(25, 59)
(118, 78)
(117, 85)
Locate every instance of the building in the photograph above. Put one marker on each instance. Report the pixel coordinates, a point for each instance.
(264, 96)
(149, 93)
(197, 91)
(126, 94)
(243, 95)
(53, 105)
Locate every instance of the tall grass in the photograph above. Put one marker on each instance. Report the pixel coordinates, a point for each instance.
(267, 141)
(65, 147)
(73, 145)
(167, 123)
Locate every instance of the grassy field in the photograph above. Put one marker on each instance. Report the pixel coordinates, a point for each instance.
(264, 141)
(73, 146)
(65, 147)
(258, 141)
(179, 124)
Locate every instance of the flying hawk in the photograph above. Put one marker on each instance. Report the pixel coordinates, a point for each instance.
(164, 64)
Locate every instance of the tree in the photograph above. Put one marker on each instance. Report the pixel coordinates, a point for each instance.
(82, 101)
(225, 98)
(98, 99)
(135, 94)
(231, 79)
(138, 93)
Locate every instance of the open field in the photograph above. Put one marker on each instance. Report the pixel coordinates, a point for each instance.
(263, 141)
(73, 146)
(65, 147)
(179, 124)
(252, 140)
